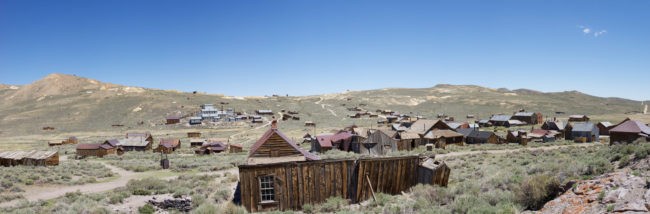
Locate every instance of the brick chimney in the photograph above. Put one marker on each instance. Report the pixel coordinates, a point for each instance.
(274, 123)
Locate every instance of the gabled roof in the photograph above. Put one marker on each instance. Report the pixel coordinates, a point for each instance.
(265, 137)
(170, 143)
(446, 133)
(133, 141)
(465, 132)
(93, 146)
(422, 126)
(112, 142)
(583, 127)
(606, 124)
(324, 140)
(408, 135)
(516, 122)
(631, 126)
(343, 135)
(500, 117)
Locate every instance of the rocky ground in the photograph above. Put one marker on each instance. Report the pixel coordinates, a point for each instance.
(624, 191)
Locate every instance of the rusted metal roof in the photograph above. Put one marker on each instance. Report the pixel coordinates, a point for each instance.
(437, 133)
(631, 126)
(133, 141)
(170, 143)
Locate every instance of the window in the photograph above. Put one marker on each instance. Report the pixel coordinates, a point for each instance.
(267, 191)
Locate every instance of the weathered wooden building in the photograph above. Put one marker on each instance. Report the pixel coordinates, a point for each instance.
(211, 148)
(528, 117)
(578, 118)
(378, 143)
(408, 140)
(629, 131)
(193, 134)
(584, 132)
(290, 185)
(274, 146)
(29, 158)
(235, 148)
(95, 149)
(433, 172)
(168, 146)
(135, 143)
(70, 140)
(500, 120)
(172, 119)
(474, 136)
(603, 127)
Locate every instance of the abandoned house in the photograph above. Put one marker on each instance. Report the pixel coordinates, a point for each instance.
(290, 185)
(168, 146)
(29, 158)
(407, 140)
(264, 112)
(194, 142)
(578, 118)
(442, 137)
(500, 120)
(378, 143)
(603, 127)
(583, 132)
(528, 117)
(135, 143)
(235, 148)
(172, 119)
(195, 121)
(95, 149)
(211, 148)
(145, 135)
(70, 140)
(194, 134)
(629, 131)
(474, 136)
(274, 146)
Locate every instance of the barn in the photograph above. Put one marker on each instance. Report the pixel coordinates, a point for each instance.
(500, 120)
(442, 137)
(474, 136)
(629, 131)
(528, 117)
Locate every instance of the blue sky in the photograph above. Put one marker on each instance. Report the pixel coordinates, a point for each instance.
(244, 47)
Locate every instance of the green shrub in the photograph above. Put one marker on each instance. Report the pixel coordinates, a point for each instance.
(230, 208)
(333, 204)
(205, 208)
(146, 209)
(223, 194)
(535, 191)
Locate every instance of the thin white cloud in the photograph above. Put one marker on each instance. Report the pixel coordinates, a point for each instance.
(599, 33)
(591, 32)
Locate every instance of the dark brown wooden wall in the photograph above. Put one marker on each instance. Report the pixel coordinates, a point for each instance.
(275, 143)
(312, 182)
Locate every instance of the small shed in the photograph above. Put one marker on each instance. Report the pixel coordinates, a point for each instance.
(433, 172)
(194, 142)
(310, 123)
(235, 148)
(264, 112)
(443, 135)
(172, 119)
(194, 134)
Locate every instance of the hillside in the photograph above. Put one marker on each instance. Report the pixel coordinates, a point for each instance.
(75, 104)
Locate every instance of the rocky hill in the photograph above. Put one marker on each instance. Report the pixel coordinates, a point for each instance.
(70, 104)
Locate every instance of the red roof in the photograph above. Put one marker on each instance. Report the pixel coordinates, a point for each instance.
(325, 140)
(269, 133)
(341, 136)
(631, 126)
(539, 131)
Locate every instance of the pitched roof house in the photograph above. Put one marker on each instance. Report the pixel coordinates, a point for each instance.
(629, 131)
(274, 147)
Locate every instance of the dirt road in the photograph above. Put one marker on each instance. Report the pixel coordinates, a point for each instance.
(34, 193)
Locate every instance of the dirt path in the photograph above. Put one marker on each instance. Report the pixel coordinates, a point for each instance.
(503, 151)
(34, 193)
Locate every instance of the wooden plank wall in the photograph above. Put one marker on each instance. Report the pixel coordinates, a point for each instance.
(275, 143)
(312, 182)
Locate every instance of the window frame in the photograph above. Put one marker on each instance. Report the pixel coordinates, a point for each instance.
(267, 189)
